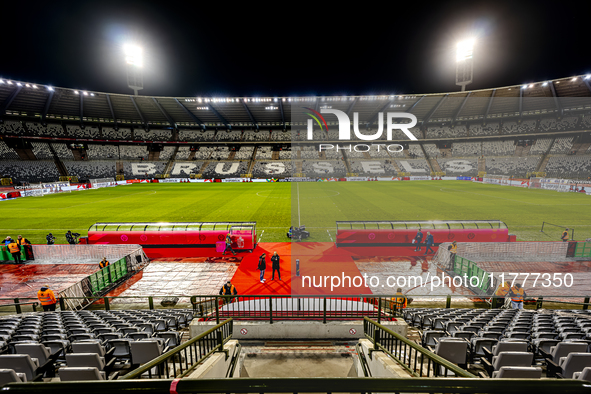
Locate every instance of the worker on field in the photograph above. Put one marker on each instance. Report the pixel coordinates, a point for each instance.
(15, 251)
(564, 237)
(228, 245)
(47, 299)
(399, 301)
(517, 295)
(502, 292)
(22, 241)
(104, 263)
(453, 252)
(228, 289)
(28, 248)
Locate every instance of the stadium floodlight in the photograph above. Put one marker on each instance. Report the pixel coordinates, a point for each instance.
(1, 81)
(50, 88)
(134, 59)
(574, 79)
(10, 82)
(34, 86)
(19, 84)
(545, 84)
(464, 50)
(531, 85)
(76, 92)
(587, 76)
(134, 55)
(464, 62)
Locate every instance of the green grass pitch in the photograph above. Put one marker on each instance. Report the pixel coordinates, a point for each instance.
(274, 206)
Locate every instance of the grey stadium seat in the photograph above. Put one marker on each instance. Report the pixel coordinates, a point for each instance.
(518, 373)
(69, 374)
(10, 376)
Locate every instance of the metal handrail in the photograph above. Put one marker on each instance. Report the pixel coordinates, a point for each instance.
(371, 332)
(309, 385)
(163, 359)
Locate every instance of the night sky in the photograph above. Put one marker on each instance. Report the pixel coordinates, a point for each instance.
(291, 48)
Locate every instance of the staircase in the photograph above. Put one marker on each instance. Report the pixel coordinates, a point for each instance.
(543, 163)
(275, 155)
(299, 169)
(481, 165)
(445, 152)
(58, 163)
(203, 167)
(545, 158)
(346, 159)
(170, 163)
(434, 165)
(582, 148)
(395, 165)
(522, 151)
(153, 156)
(25, 153)
(119, 168)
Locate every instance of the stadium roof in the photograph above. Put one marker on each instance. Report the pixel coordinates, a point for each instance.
(46, 104)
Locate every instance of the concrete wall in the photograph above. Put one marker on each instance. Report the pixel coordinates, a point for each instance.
(298, 329)
(216, 366)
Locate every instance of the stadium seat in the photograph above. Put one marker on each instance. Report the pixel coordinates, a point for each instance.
(562, 349)
(508, 359)
(574, 362)
(43, 355)
(10, 376)
(453, 350)
(70, 374)
(518, 373)
(585, 374)
(22, 363)
(145, 351)
(505, 346)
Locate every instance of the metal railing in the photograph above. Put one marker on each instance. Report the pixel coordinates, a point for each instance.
(271, 308)
(105, 277)
(417, 360)
(183, 359)
(308, 385)
(583, 249)
(268, 307)
(462, 266)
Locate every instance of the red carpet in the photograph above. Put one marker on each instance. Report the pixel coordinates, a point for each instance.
(247, 277)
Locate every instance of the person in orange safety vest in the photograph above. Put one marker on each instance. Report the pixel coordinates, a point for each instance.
(399, 301)
(47, 299)
(517, 295)
(15, 251)
(502, 292)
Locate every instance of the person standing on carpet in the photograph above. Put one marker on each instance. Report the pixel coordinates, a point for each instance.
(262, 267)
(275, 260)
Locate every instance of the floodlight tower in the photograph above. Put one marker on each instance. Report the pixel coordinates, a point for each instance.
(464, 63)
(134, 61)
